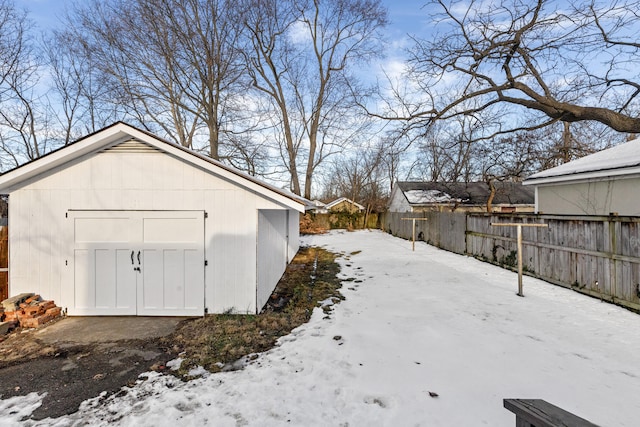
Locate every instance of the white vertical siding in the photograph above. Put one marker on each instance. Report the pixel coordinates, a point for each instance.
(398, 202)
(294, 234)
(272, 252)
(39, 231)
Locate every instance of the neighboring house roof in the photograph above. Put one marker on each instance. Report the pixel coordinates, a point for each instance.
(465, 193)
(120, 132)
(623, 159)
(316, 206)
(343, 199)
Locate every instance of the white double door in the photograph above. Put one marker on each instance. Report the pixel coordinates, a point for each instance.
(147, 263)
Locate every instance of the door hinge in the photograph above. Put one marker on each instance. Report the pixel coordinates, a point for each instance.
(66, 214)
(206, 263)
(206, 215)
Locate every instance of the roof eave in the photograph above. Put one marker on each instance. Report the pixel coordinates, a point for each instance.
(584, 176)
(104, 138)
(119, 132)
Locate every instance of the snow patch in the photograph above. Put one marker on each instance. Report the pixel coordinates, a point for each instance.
(429, 196)
(431, 338)
(16, 408)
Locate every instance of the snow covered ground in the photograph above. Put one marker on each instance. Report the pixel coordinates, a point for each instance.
(412, 323)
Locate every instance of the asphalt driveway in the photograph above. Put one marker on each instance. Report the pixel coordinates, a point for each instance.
(77, 358)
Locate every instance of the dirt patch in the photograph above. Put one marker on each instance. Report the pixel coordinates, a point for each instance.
(21, 346)
(217, 342)
(71, 374)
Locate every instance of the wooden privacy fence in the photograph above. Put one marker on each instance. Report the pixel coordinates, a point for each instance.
(342, 219)
(599, 256)
(442, 229)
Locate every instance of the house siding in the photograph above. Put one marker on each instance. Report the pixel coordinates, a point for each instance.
(41, 240)
(595, 197)
(345, 206)
(398, 202)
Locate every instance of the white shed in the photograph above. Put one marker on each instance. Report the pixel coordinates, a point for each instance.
(123, 223)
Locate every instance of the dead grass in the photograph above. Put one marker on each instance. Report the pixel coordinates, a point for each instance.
(218, 340)
(309, 226)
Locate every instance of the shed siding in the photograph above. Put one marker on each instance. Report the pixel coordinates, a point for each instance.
(600, 197)
(272, 252)
(399, 203)
(135, 181)
(294, 233)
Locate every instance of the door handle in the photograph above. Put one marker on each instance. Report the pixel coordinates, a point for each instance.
(132, 257)
(138, 257)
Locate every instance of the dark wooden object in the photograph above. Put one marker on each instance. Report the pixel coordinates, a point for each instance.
(540, 413)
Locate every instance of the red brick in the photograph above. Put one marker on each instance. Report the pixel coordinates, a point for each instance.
(32, 311)
(35, 321)
(32, 299)
(47, 304)
(29, 323)
(54, 311)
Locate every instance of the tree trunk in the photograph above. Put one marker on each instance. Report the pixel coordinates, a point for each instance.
(492, 194)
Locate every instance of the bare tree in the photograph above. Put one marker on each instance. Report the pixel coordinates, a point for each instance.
(360, 177)
(568, 63)
(80, 101)
(24, 119)
(563, 142)
(449, 150)
(168, 64)
(300, 56)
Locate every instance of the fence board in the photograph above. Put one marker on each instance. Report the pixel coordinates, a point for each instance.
(574, 252)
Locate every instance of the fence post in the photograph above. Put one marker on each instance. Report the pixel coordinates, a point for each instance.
(519, 241)
(413, 232)
(520, 261)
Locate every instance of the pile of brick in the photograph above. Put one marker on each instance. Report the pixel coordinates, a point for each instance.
(26, 311)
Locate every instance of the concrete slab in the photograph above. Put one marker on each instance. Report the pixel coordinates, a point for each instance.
(11, 304)
(95, 329)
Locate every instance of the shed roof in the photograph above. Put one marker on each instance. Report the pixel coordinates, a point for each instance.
(623, 159)
(120, 132)
(420, 193)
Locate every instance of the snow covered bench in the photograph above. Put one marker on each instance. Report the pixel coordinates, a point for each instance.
(539, 413)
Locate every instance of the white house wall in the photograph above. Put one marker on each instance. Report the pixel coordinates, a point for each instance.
(399, 202)
(135, 181)
(600, 197)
